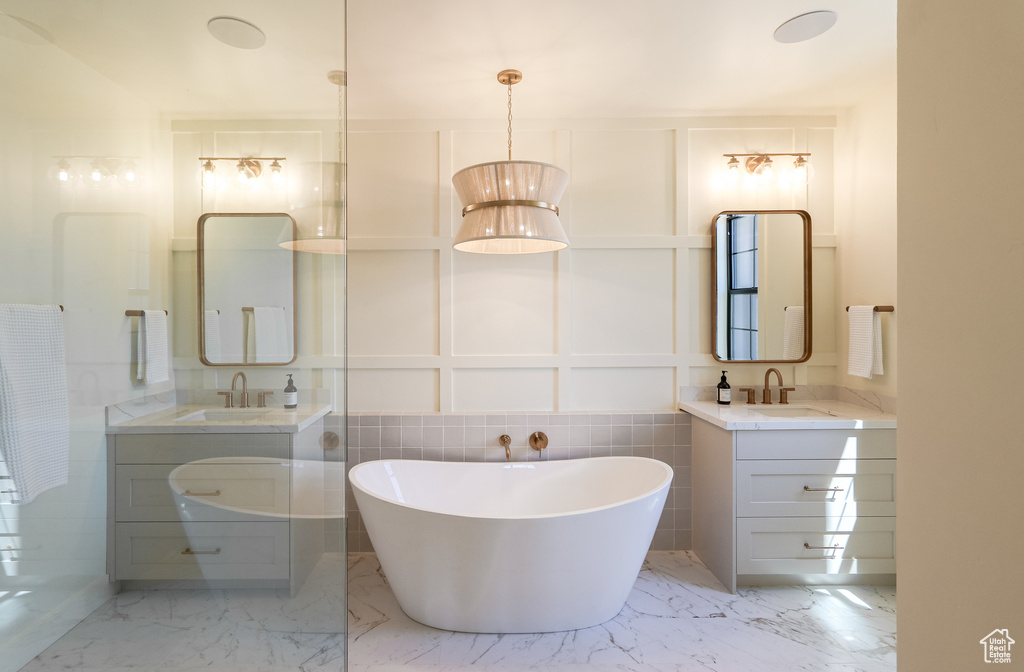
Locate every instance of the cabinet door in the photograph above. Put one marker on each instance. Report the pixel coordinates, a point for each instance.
(202, 551)
(835, 545)
(233, 491)
(816, 444)
(182, 448)
(766, 488)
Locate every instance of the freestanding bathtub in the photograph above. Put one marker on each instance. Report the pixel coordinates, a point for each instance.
(511, 547)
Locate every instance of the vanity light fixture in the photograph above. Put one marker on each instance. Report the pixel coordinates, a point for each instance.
(249, 169)
(510, 207)
(763, 170)
(95, 171)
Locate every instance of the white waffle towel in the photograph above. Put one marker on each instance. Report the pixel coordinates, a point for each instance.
(865, 342)
(211, 335)
(34, 426)
(793, 333)
(153, 356)
(270, 334)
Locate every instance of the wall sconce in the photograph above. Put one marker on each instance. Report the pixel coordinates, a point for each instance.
(763, 170)
(249, 170)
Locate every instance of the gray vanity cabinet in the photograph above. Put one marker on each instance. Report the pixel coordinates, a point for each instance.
(228, 523)
(795, 506)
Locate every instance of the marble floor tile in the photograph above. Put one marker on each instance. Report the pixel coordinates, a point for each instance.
(678, 618)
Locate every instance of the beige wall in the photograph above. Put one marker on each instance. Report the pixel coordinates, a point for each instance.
(866, 228)
(961, 273)
(618, 321)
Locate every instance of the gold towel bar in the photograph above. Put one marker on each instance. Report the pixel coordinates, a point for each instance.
(879, 309)
(138, 313)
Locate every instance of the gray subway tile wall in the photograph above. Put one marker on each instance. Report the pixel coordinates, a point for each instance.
(473, 437)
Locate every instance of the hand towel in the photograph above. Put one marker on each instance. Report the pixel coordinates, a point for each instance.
(865, 342)
(153, 356)
(34, 425)
(211, 335)
(793, 333)
(270, 334)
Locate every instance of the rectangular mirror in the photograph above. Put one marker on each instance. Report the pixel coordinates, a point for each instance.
(761, 287)
(246, 289)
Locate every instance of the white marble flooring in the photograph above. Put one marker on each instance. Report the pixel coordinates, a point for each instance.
(678, 618)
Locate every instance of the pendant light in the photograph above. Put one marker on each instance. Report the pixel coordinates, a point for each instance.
(321, 214)
(510, 207)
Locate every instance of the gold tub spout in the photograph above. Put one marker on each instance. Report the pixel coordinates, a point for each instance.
(506, 441)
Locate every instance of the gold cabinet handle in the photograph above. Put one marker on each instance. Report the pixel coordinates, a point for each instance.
(189, 551)
(215, 493)
(837, 547)
(832, 490)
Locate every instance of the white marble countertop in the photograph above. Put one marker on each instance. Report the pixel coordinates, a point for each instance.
(175, 420)
(798, 414)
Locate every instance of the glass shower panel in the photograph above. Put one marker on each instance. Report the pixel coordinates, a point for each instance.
(106, 110)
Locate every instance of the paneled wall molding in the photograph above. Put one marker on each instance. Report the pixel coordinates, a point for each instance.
(611, 322)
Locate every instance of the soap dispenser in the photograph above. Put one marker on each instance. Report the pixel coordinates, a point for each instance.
(724, 392)
(291, 394)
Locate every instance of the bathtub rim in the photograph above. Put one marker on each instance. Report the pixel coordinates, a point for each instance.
(665, 482)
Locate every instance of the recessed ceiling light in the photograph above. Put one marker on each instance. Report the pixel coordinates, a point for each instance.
(805, 26)
(236, 32)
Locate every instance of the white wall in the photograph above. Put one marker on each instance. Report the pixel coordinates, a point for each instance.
(98, 251)
(866, 228)
(961, 269)
(620, 320)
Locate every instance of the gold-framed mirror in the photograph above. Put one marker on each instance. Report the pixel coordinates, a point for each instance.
(247, 296)
(761, 286)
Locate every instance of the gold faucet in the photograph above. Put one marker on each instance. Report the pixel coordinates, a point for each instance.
(506, 441)
(245, 389)
(766, 397)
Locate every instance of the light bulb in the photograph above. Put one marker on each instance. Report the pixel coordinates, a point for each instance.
(128, 175)
(732, 170)
(276, 174)
(98, 174)
(248, 171)
(61, 174)
(803, 171)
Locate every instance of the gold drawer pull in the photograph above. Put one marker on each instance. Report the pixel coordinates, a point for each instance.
(215, 493)
(837, 547)
(189, 551)
(832, 490)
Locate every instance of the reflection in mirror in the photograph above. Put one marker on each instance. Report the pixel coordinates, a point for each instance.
(246, 289)
(761, 303)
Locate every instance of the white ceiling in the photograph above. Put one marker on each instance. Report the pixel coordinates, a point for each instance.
(440, 58)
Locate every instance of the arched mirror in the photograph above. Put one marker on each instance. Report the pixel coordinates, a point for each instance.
(246, 289)
(761, 289)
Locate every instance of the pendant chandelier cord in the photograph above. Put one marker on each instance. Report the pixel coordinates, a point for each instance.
(510, 120)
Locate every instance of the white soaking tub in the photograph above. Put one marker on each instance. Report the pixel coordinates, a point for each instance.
(511, 547)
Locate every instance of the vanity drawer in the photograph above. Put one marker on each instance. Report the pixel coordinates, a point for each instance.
(820, 444)
(776, 545)
(202, 550)
(767, 488)
(217, 492)
(181, 448)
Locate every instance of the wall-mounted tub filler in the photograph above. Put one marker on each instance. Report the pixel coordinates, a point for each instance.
(538, 441)
(506, 441)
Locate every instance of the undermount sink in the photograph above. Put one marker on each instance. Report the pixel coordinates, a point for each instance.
(790, 411)
(225, 415)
